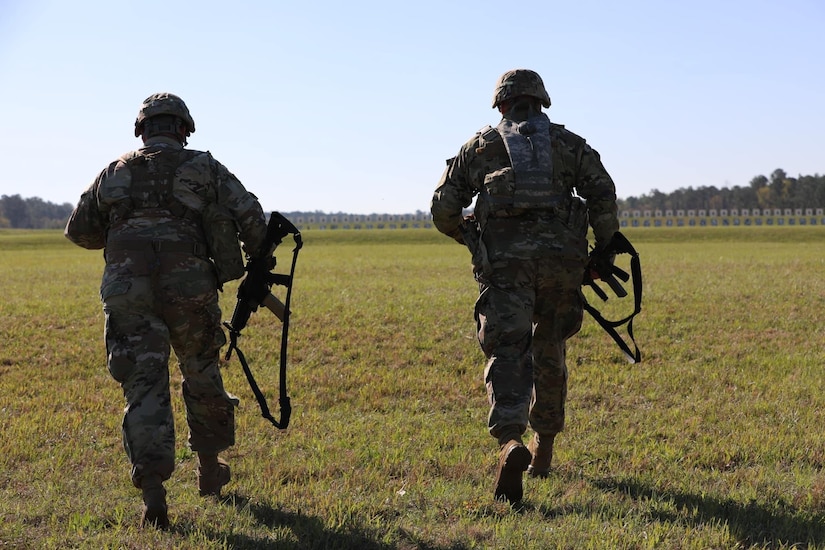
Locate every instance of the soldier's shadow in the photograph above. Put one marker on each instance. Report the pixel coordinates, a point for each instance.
(307, 531)
(750, 523)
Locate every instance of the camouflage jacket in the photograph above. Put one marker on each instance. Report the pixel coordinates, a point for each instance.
(106, 215)
(528, 233)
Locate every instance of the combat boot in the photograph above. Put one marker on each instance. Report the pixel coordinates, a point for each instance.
(541, 447)
(155, 512)
(513, 460)
(213, 473)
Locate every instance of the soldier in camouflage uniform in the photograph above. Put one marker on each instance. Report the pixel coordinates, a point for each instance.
(528, 237)
(169, 220)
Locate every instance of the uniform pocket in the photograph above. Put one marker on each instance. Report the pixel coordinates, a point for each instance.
(114, 288)
(195, 288)
(501, 184)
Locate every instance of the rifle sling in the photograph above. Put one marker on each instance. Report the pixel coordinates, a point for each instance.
(283, 399)
(610, 327)
(260, 396)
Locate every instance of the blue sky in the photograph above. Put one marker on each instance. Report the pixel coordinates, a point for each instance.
(355, 106)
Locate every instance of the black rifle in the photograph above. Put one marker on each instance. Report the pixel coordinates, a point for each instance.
(253, 292)
(601, 264)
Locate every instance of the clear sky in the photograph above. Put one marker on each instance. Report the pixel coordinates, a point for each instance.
(355, 106)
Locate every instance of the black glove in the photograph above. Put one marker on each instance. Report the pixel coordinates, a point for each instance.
(600, 266)
(601, 262)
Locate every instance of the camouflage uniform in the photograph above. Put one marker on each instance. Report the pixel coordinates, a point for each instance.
(159, 290)
(529, 263)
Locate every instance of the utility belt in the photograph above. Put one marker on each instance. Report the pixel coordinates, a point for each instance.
(158, 246)
(569, 210)
(560, 210)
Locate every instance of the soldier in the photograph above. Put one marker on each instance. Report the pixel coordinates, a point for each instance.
(528, 237)
(169, 220)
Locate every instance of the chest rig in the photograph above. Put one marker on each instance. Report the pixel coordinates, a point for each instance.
(151, 195)
(528, 184)
(151, 190)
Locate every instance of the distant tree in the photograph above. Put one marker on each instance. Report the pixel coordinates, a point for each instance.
(759, 182)
(778, 176)
(742, 197)
(764, 197)
(716, 202)
(47, 215)
(777, 186)
(16, 210)
(814, 189)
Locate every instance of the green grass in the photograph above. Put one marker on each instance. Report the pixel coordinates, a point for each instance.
(713, 441)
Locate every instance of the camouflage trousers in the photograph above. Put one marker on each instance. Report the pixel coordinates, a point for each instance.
(525, 312)
(146, 317)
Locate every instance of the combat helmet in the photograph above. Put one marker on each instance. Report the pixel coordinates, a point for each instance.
(164, 103)
(520, 82)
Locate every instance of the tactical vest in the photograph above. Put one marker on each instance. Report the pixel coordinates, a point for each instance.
(151, 195)
(151, 189)
(528, 183)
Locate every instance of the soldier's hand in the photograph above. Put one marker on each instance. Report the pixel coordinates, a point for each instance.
(601, 263)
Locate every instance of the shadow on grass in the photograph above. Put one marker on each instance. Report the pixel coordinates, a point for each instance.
(309, 532)
(750, 523)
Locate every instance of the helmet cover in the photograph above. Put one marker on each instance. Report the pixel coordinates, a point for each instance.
(164, 103)
(519, 82)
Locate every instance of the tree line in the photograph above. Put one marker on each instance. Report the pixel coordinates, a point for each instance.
(777, 191)
(32, 213)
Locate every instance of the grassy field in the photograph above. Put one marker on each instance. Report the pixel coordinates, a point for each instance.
(713, 441)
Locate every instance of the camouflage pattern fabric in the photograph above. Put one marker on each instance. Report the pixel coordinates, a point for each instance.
(159, 294)
(196, 184)
(529, 302)
(520, 82)
(164, 103)
(525, 312)
(144, 317)
(521, 233)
